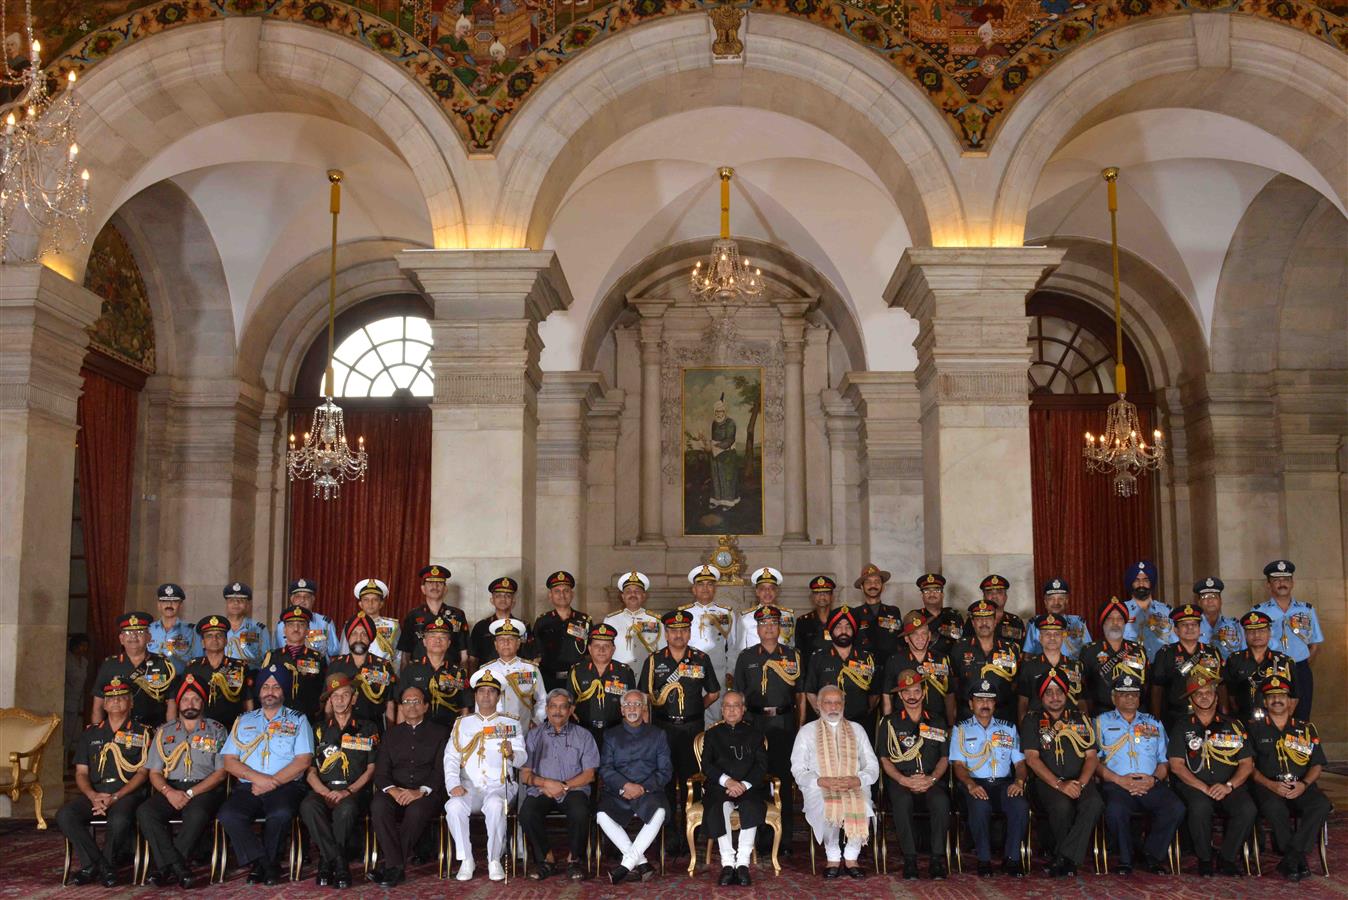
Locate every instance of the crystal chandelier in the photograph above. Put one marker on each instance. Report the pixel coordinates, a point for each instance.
(1122, 450)
(726, 278)
(325, 457)
(39, 158)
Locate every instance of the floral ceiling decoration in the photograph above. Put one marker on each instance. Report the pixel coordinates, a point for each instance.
(483, 58)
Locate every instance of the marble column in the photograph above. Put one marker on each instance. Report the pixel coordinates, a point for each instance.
(564, 403)
(487, 305)
(43, 328)
(972, 349)
(651, 330)
(793, 415)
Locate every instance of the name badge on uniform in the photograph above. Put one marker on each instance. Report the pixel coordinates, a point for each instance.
(931, 734)
(130, 739)
(356, 742)
(307, 666)
(205, 743)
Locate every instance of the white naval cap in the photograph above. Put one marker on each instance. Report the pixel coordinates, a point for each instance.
(766, 575)
(507, 627)
(370, 586)
(704, 572)
(634, 577)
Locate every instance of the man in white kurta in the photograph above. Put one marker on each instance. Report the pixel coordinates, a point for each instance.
(713, 630)
(522, 695)
(639, 631)
(483, 755)
(854, 791)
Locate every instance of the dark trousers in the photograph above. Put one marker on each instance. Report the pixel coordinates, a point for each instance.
(155, 814)
(74, 818)
(780, 732)
(935, 801)
(278, 808)
(533, 820)
(1305, 681)
(1071, 822)
(1015, 809)
(400, 827)
(1166, 811)
(1240, 814)
(1312, 810)
(332, 827)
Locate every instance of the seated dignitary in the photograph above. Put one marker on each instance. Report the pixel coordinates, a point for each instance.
(110, 778)
(372, 676)
(767, 674)
(563, 758)
(344, 748)
(307, 666)
(639, 631)
(268, 751)
(439, 674)
(990, 769)
(1113, 655)
(481, 756)
(1133, 770)
(1211, 759)
(187, 777)
(409, 786)
(227, 682)
(1288, 760)
(1059, 746)
(598, 683)
(523, 697)
(914, 749)
(735, 762)
(149, 676)
(835, 767)
(634, 768)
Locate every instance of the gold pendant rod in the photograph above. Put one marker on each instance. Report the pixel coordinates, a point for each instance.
(335, 206)
(1111, 176)
(725, 172)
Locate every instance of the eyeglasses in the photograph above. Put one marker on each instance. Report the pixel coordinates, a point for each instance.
(411, 701)
(635, 704)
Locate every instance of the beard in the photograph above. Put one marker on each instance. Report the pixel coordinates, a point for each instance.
(833, 718)
(843, 640)
(1141, 592)
(360, 649)
(1114, 634)
(190, 713)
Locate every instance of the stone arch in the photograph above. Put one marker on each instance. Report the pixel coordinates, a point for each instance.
(790, 67)
(185, 281)
(666, 271)
(152, 93)
(1280, 296)
(1243, 67)
(295, 309)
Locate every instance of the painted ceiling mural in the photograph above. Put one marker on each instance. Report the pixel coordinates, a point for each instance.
(483, 58)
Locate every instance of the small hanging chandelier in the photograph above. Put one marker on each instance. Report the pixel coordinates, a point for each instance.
(325, 457)
(726, 277)
(39, 159)
(1122, 450)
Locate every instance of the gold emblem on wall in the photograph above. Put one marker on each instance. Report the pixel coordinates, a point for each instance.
(726, 20)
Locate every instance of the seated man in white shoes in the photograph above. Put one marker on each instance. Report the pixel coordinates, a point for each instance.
(635, 768)
(484, 751)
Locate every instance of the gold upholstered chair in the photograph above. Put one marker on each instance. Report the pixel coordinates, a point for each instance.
(693, 813)
(23, 738)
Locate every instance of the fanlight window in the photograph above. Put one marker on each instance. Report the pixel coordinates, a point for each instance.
(387, 358)
(1066, 358)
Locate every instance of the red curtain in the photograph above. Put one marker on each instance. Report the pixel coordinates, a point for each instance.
(105, 453)
(1083, 531)
(379, 527)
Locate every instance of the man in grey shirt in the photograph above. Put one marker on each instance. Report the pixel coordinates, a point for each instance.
(562, 761)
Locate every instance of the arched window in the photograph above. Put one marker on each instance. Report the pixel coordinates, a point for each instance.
(385, 358)
(1067, 358)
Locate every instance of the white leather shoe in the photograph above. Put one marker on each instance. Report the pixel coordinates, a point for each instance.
(465, 871)
(495, 871)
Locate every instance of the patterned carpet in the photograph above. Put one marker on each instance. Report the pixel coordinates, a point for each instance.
(30, 867)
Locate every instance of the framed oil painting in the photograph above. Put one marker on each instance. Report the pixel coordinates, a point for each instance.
(722, 449)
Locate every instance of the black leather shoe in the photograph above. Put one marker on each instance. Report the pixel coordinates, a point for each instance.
(393, 877)
(160, 878)
(985, 870)
(1012, 868)
(1229, 869)
(645, 871)
(617, 874)
(87, 875)
(1124, 869)
(727, 876)
(936, 870)
(910, 872)
(855, 872)
(1067, 868)
(831, 872)
(258, 873)
(1205, 868)
(107, 876)
(541, 871)
(272, 875)
(1303, 870)
(1156, 866)
(181, 876)
(323, 878)
(341, 878)
(742, 876)
(375, 875)
(575, 871)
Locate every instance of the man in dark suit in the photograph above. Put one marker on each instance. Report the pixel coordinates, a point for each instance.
(409, 785)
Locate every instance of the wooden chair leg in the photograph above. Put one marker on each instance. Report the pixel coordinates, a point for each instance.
(35, 790)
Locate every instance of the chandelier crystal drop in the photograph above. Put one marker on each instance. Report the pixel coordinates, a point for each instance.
(44, 190)
(1122, 450)
(325, 457)
(726, 277)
